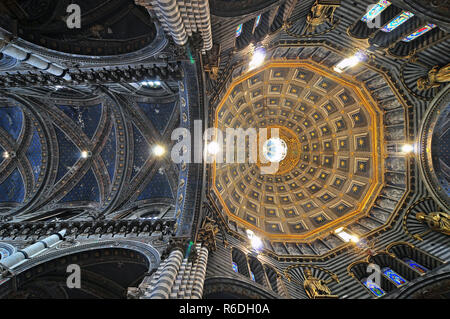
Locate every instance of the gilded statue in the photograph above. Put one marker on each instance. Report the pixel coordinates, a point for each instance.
(316, 288)
(207, 233)
(436, 76)
(322, 11)
(436, 221)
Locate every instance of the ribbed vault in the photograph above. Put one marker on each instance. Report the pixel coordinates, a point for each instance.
(76, 152)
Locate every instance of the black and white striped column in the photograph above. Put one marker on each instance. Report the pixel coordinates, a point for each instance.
(199, 276)
(163, 287)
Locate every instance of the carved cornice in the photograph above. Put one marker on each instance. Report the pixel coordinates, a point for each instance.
(27, 230)
(170, 71)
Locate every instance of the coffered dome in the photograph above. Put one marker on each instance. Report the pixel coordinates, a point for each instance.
(328, 151)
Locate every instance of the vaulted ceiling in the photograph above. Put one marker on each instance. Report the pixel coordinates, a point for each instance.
(334, 172)
(292, 217)
(47, 170)
(347, 170)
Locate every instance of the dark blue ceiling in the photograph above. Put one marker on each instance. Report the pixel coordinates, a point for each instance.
(1, 152)
(86, 190)
(12, 190)
(109, 153)
(89, 126)
(11, 120)
(158, 114)
(141, 151)
(69, 153)
(158, 187)
(85, 117)
(34, 154)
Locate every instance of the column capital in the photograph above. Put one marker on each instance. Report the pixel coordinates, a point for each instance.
(207, 233)
(178, 243)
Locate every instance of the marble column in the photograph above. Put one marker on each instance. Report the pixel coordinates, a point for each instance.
(164, 284)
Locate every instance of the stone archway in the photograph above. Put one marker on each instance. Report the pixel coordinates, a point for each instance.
(106, 272)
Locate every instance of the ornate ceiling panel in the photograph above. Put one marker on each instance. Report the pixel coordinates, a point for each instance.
(75, 154)
(23, 150)
(107, 28)
(238, 7)
(381, 104)
(435, 152)
(332, 128)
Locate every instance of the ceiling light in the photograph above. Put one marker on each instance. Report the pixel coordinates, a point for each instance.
(350, 62)
(346, 236)
(159, 150)
(5, 155)
(85, 154)
(258, 58)
(255, 241)
(354, 238)
(339, 230)
(407, 148)
(152, 84)
(213, 148)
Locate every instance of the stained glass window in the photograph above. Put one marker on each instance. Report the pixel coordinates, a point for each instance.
(375, 10)
(395, 278)
(258, 19)
(419, 32)
(397, 21)
(412, 264)
(239, 30)
(235, 267)
(252, 275)
(373, 287)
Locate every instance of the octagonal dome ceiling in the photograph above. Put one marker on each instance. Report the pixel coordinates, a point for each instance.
(333, 170)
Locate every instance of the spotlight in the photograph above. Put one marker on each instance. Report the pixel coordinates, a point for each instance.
(6, 155)
(350, 62)
(213, 148)
(257, 59)
(255, 241)
(345, 236)
(407, 148)
(86, 154)
(354, 239)
(159, 150)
